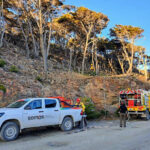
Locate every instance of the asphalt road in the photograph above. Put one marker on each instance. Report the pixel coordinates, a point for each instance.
(103, 135)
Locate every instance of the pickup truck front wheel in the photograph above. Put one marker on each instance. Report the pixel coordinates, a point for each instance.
(67, 124)
(9, 131)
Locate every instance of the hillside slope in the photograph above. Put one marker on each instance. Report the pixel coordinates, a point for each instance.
(30, 81)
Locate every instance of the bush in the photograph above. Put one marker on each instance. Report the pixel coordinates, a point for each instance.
(90, 110)
(2, 88)
(104, 113)
(2, 63)
(38, 78)
(90, 73)
(14, 69)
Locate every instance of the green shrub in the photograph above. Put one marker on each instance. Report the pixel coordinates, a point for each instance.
(14, 69)
(104, 113)
(2, 63)
(90, 73)
(90, 110)
(3, 88)
(38, 78)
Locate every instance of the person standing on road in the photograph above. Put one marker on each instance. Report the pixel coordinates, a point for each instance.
(80, 104)
(123, 111)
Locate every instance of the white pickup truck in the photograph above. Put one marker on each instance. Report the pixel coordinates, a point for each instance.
(36, 112)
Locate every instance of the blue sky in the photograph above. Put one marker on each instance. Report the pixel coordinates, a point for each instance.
(125, 12)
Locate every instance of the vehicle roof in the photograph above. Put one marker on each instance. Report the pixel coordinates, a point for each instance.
(138, 91)
(36, 98)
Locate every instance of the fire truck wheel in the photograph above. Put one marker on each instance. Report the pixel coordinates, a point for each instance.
(147, 115)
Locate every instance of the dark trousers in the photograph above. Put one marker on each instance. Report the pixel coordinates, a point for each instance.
(123, 119)
(83, 122)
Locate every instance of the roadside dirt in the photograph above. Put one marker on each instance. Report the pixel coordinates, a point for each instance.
(101, 135)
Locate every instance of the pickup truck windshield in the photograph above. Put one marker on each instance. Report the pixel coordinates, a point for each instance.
(17, 104)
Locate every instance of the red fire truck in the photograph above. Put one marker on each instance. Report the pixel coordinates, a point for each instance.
(137, 102)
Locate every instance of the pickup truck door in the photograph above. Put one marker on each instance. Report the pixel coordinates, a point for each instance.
(33, 114)
(51, 112)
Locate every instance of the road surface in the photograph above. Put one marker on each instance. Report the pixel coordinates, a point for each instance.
(103, 135)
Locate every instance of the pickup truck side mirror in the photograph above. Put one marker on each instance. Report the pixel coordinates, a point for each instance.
(28, 107)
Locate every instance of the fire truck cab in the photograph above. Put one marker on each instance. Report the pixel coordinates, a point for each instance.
(137, 102)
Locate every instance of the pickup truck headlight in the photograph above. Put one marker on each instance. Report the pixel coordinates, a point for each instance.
(1, 114)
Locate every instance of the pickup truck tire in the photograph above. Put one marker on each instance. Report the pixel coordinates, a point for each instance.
(67, 124)
(9, 131)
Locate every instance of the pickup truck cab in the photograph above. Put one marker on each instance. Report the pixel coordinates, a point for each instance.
(36, 112)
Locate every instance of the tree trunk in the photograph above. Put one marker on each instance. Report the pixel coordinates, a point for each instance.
(93, 55)
(96, 63)
(26, 43)
(1, 38)
(121, 65)
(145, 68)
(44, 52)
(86, 47)
(45, 39)
(27, 47)
(84, 53)
(111, 66)
(2, 27)
(49, 39)
(144, 61)
(26, 39)
(126, 56)
(70, 63)
(33, 39)
(75, 60)
(132, 55)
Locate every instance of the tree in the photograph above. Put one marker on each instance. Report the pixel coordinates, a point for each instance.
(33, 17)
(107, 51)
(86, 24)
(16, 21)
(43, 13)
(46, 8)
(143, 61)
(127, 34)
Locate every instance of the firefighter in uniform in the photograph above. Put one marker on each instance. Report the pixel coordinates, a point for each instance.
(81, 105)
(123, 111)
